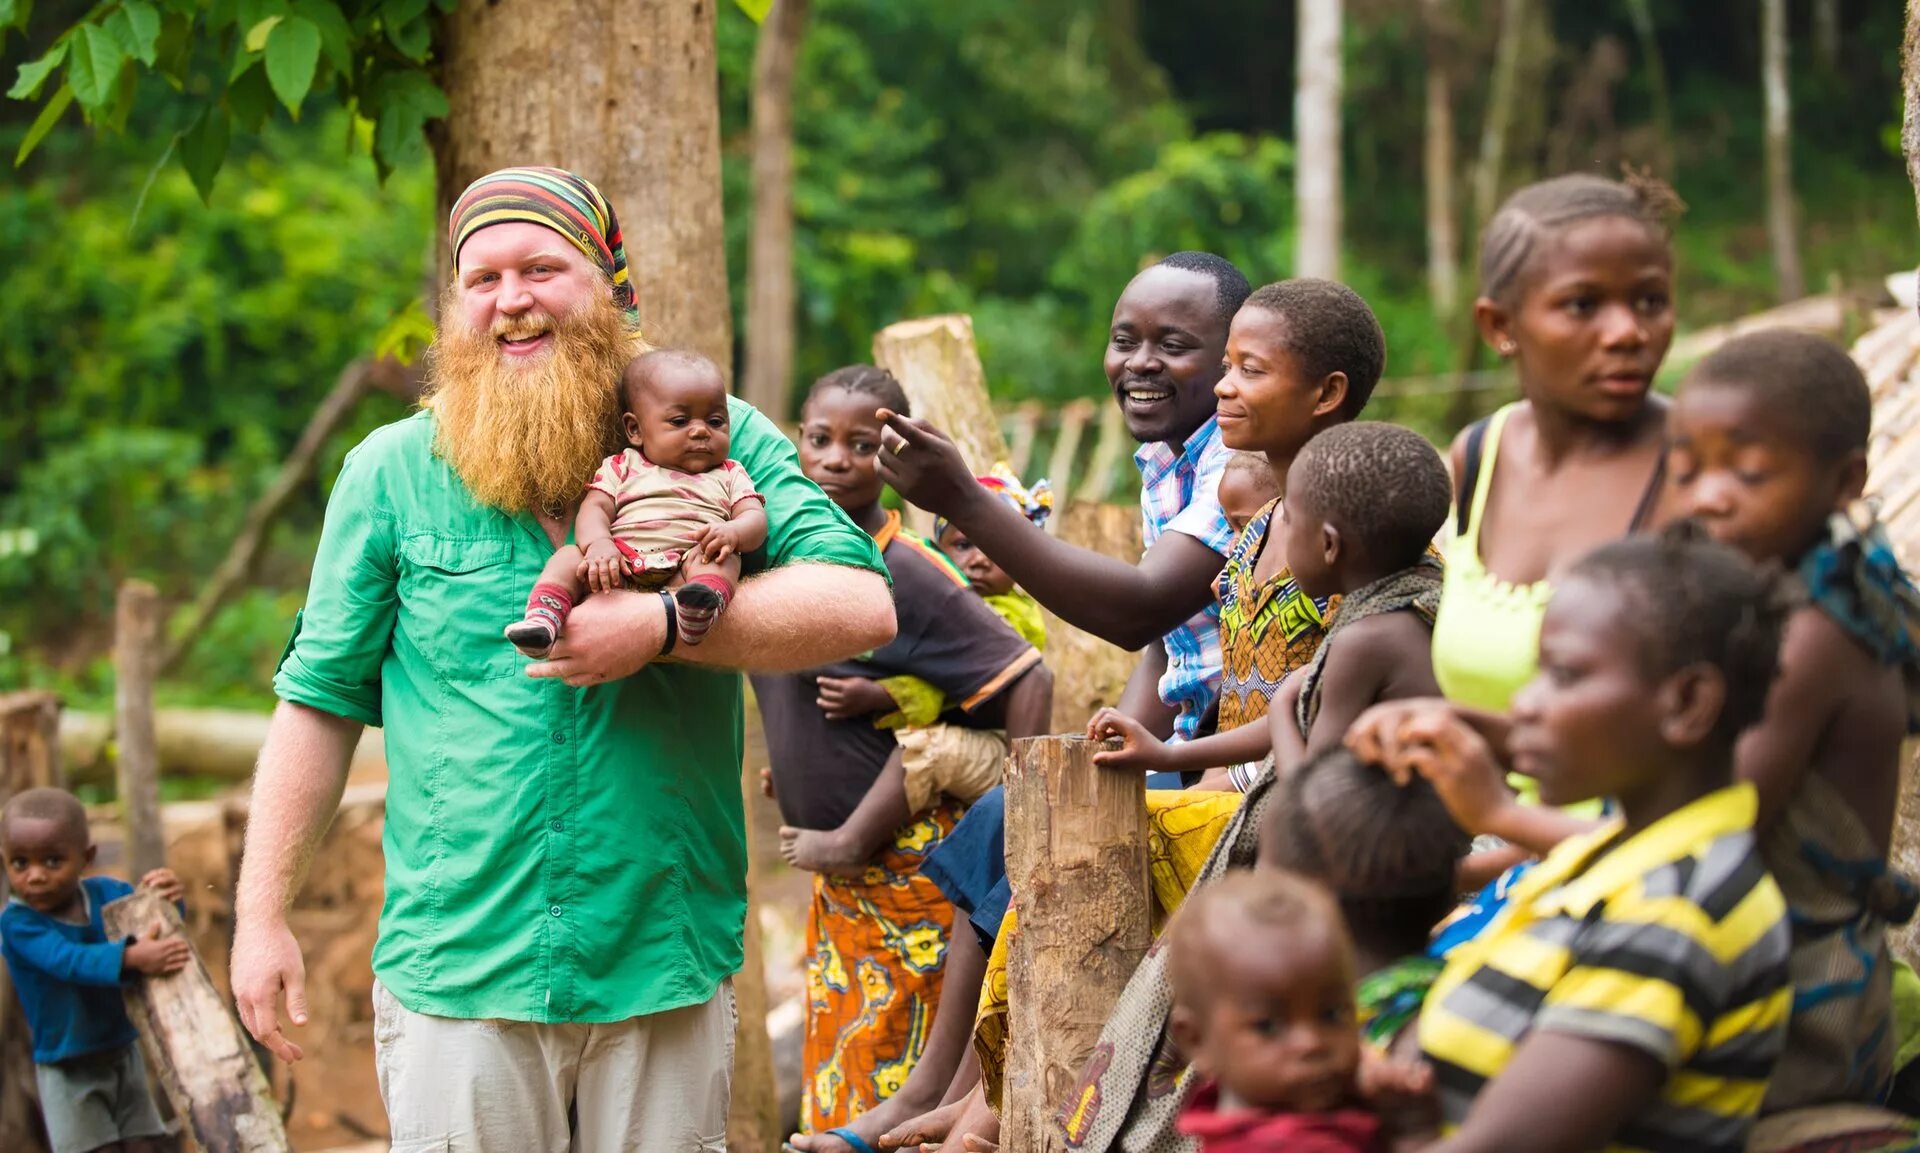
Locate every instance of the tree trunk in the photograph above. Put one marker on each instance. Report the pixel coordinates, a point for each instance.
(136, 652)
(1443, 231)
(1498, 122)
(29, 758)
(1640, 12)
(768, 370)
(625, 93)
(1077, 862)
(753, 1113)
(204, 1061)
(1910, 84)
(1826, 34)
(1316, 131)
(935, 360)
(1782, 229)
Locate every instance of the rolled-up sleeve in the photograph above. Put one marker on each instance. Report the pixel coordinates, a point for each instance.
(803, 524)
(340, 639)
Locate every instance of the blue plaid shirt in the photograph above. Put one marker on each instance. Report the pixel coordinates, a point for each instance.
(1180, 492)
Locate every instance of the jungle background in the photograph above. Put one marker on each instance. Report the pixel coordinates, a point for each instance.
(1013, 159)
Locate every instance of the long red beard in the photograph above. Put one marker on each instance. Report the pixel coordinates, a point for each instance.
(528, 436)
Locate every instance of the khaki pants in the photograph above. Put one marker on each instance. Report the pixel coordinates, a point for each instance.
(657, 1084)
(963, 763)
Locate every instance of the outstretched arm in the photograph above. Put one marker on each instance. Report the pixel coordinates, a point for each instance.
(799, 616)
(1123, 604)
(296, 791)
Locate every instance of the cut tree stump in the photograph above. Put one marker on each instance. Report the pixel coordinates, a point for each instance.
(136, 661)
(1077, 861)
(204, 1061)
(936, 362)
(29, 759)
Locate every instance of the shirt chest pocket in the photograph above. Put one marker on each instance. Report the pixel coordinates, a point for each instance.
(457, 594)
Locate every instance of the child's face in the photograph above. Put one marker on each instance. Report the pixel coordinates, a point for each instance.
(44, 861)
(1264, 401)
(1594, 320)
(1243, 493)
(677, 415)
(1591, 723)
(1746, 478)
(1278, 1030)
(988, 579)
(840, 447)
(1312, 548)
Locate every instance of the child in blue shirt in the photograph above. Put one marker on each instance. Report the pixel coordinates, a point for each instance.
(93, 1085)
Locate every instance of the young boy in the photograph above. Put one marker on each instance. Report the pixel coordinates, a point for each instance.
(93, 1084)
(1263, 1007)
(933, 759)
(669, 512)
(1247, 485)
(1363, 502)
(1634, 995)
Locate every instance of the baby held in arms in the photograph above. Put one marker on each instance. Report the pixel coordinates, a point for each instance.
(670, 512)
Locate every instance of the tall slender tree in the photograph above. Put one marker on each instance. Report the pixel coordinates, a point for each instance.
(1910, 85)
(1316, 128)
(1443, 225)
(1497, 125)
(1782, 210)
(768, 369)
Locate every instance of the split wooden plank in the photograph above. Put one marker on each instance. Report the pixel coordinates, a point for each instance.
(136, 662)
(1074, 417)
(29, 759)
(1077, 861)
(938, 365)
(202, 1056)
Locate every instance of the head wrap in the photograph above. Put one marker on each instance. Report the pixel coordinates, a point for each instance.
(1035, 503)
(557, 199)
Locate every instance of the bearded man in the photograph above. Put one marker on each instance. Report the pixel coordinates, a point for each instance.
(565, 842)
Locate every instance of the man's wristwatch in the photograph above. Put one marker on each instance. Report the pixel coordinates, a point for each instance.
(673, 622)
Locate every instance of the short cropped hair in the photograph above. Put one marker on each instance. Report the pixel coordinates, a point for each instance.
(47, 804)
(866, 380)
(1384, 487)
(1815, 390)
(1690, 600)
(1512, 240)
(1229, 283)
(1330, 328)
(1254, 900)
(1387, 851)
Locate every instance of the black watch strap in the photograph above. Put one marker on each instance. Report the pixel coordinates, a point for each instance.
(673, 623)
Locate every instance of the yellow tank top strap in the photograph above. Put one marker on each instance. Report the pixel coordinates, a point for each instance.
(1483, 479)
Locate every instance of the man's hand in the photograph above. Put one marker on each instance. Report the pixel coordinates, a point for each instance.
(266, 963)
(844, 698)
(717, 542)
(925, 467)
(609, 638)
(164, 884)
(155, 955)
(604, 568)
(1139, 749)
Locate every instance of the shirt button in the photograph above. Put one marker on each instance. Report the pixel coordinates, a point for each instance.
(554, 909)
(559, 738)
(557, 825)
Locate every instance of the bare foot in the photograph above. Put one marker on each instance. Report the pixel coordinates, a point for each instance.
(926, 1129)
(827, 852)
(978, 1127)
(870, 1126)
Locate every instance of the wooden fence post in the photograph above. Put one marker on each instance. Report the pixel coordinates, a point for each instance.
(1077, 861)
(935, 360)
(1074, 416)
(29, 758)
(136, 659)
(202, 1056)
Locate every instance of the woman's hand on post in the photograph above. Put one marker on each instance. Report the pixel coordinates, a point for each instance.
(1139, 749)
(266, 965)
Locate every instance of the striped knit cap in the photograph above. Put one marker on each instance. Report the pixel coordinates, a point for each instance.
(556, 198)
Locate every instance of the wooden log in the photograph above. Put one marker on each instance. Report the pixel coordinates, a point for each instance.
(936, 362)
(198, 742)
(136, 638)
(753, 1116)
(1077, 861)
(204, 1061)
(1066, 450)
(29, 758)
(1088, 673)
(1107, 451)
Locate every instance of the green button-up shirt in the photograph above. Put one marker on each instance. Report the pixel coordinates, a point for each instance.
(553, 854)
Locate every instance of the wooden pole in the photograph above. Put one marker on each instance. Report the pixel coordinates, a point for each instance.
(29, 758)
(136, 639)
(1108, 448)
(935, 360)
(1077, 861)
(202, 1056)
(1074, 416)
(1026, 425)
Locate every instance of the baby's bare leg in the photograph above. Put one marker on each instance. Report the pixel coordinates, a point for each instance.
(706, 590)
(554, 595)
(846, 850)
